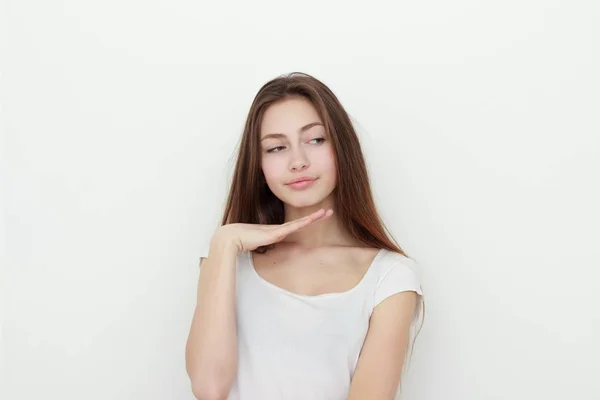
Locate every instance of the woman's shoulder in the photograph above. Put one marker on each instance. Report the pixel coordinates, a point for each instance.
(383, 259)
(396, 272)
(396, 258)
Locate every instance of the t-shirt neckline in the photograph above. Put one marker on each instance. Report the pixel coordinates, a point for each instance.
(265, 282)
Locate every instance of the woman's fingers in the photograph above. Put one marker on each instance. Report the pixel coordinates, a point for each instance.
(305, 220)
(292, 226)
(311, 217)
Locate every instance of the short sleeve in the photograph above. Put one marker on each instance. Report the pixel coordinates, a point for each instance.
(400, 276)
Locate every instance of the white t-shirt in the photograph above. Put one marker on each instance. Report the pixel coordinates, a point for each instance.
(294, 346)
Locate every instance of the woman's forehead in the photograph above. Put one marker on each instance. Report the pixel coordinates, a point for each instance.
(289, 116)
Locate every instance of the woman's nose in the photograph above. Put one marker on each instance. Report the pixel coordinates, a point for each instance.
(298, 161)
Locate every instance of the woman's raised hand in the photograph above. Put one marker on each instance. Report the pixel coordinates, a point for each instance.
(248, 237)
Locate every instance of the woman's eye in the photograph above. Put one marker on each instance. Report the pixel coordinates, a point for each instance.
(274, 149)
(279, 148)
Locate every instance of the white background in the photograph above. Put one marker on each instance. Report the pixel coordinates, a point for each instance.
(481, 125)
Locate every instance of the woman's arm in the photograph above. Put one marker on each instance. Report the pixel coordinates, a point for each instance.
(379, 366)
(211, 349)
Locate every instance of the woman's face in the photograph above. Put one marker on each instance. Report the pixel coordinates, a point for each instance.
(294, 145)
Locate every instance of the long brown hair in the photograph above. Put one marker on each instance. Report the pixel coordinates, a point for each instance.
(251, 201)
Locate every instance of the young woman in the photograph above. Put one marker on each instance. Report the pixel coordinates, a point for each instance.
(301, 294)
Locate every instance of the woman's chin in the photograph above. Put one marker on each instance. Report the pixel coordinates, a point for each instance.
(309, 201)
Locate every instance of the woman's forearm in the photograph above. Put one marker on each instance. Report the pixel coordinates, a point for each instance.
(211, 350)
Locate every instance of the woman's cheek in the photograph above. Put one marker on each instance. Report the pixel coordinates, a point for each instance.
(272, 168)
(326, 159)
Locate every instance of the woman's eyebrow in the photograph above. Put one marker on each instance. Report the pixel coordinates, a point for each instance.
(302, 130)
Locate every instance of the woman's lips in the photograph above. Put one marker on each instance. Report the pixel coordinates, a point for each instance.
(302, 184)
